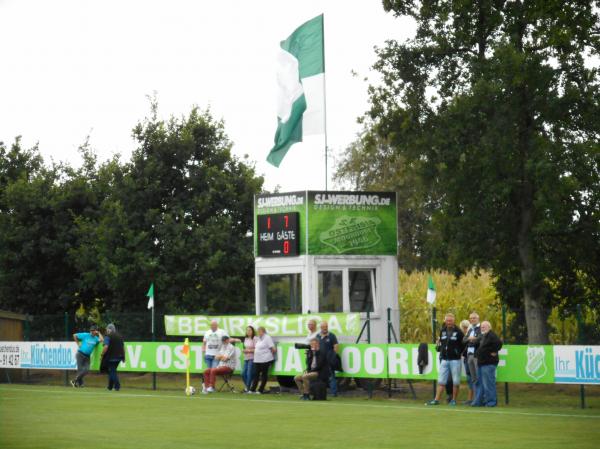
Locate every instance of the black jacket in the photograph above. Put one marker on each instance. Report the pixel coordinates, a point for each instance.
(450, 346)
(115, 351)
(489, 345)
(322, 367)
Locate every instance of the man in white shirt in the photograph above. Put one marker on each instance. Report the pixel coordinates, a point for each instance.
(226, 364)
(211, 344)
(312, 331)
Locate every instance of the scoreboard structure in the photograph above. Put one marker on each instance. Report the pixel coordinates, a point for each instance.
(327, 252)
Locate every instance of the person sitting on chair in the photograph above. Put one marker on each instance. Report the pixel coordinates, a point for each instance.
(226, 365)
(317, 367)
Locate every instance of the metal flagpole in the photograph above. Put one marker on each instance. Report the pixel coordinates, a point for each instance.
(325, 104)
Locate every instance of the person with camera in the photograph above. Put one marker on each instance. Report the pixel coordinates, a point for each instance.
(87, 341)
(450, 347)
(328, 343)
(317, 367)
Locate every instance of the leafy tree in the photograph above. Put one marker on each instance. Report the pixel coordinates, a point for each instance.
(180, 215)
(495, 105)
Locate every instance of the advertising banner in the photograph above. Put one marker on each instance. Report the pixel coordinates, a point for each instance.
(352, 223)
(344, 324)
(38, 355)
(518, 363)
(577, 364)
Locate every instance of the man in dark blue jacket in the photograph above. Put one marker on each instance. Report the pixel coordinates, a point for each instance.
(487, 362)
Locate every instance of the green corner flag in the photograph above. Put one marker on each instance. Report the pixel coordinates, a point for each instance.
(301, 81)
(431, 293)
(150, 296)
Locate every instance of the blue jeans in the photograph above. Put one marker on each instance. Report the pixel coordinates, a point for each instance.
(210, 361)
(469, 378)
(113, 378)
(333, 383)
(248, 373)
(485, 387)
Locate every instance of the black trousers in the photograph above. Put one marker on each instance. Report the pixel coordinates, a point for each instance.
(261, 370)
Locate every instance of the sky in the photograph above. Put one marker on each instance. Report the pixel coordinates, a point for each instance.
(69, 69)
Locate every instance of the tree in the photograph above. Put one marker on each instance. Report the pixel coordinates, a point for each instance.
(180, 215)
(495, 104)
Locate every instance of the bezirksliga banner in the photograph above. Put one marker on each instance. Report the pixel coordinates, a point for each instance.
(518, 363)
(343, 324)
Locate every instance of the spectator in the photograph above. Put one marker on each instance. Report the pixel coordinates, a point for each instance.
(472, 343)
(317, 367)
(87, 341)
(264, 350)
(113, 353)
(487, 362)
(450, 347)
(464, 327)
(328, 343)
(211, 344)
(312, 331)
(249, 345)
(226, 364)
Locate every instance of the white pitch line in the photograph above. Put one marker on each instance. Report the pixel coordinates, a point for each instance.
(257, 400)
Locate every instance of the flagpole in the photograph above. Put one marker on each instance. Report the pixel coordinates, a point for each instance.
(325, 104)
(153, 335)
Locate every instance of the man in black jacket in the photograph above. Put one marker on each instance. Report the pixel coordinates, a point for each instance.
(113, 353)
(317, 367)
(487, 362)
(450, 347)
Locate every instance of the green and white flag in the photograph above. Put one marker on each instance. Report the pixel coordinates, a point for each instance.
(431, 293)
(150, 296)
(301, 83)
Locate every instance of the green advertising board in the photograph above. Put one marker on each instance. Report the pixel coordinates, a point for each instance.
(289, 325)
(518, 363)
(338, 223)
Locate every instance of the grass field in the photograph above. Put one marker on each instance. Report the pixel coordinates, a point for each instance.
(46, 416)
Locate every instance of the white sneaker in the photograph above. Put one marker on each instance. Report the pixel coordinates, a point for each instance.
(204, 389)
(210, 389)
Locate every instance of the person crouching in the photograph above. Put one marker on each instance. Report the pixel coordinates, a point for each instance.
(317, 367)
(226, 365)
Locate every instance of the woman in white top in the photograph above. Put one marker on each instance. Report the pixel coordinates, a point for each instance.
(264, 350)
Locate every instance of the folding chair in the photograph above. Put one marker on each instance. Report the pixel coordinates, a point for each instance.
(226, 383)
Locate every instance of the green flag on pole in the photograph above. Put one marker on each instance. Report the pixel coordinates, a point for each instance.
(150, 296)
(301, 81)
(431, 293)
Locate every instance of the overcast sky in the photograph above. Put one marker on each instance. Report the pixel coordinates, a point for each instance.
(73, 68)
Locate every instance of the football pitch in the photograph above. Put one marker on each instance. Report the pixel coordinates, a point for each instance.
(60, 417)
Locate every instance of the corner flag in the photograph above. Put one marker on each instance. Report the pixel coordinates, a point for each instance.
(431, 293)
(150, 296)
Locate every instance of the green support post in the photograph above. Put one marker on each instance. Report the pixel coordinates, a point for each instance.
(433, 329)
(580, 341)
(66, 339)
(504, 342)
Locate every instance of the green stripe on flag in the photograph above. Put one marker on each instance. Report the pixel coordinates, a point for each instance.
(288, 133)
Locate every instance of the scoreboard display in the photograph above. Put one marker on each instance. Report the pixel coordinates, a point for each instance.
(278, 234)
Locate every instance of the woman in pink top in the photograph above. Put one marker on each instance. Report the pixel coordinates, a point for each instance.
(248, 370)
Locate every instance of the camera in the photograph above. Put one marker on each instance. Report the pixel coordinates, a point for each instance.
(301, 346)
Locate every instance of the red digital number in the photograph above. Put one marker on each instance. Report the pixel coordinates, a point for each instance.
(268, 222)
(286, 219)
(286, 247)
